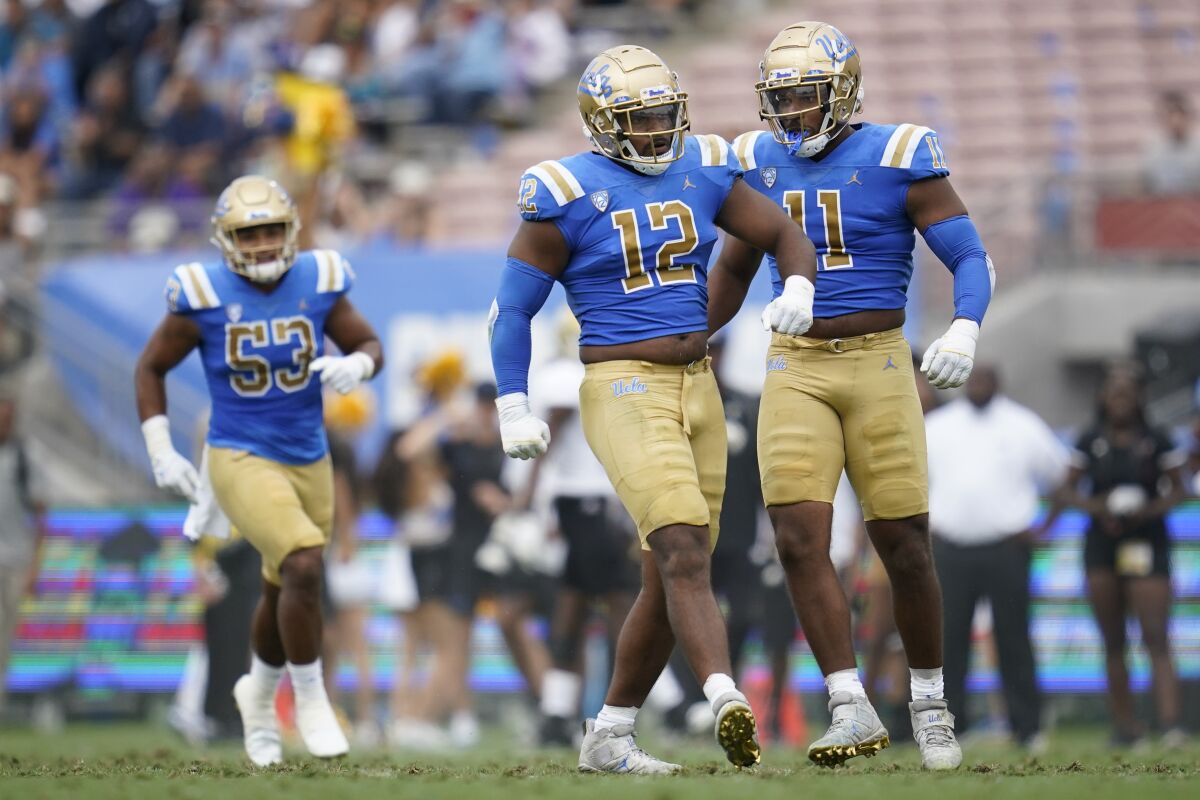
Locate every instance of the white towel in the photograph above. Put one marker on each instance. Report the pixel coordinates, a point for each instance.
(205, 517)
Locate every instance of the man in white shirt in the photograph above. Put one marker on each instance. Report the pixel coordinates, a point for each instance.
(1171, 159)
(600, 563)
(990, 459)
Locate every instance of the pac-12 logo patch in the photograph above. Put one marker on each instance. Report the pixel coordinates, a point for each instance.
(234, 312)
(600, 200)
(768, 176)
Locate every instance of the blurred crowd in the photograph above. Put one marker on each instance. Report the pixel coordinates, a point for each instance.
(157, 105)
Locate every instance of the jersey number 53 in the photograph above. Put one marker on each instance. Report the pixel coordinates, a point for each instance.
(252, 375)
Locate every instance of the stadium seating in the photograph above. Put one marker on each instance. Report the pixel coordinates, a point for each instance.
(1025, 94)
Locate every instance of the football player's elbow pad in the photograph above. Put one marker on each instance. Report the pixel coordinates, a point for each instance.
(956, 242)
(523, 290)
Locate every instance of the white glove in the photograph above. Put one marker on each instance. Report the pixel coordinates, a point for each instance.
(344, 373)
(792, 312)
(171, 470)
(948, 361)
(521, 433)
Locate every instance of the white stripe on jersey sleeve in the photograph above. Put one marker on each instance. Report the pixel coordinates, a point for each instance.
(893, 143)
(323, 270)
(708, 149)
(339, 270)
(197, 287)
(722, 150)
(563, 185)
(743, 148)
(331, 271)
(549, 183)
(917, 138)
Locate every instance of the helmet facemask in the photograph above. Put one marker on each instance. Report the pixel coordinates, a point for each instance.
(618, 129)
(242, 250)
(785, 96)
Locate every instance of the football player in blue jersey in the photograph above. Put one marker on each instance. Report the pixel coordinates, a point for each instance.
(628, 228)
(259, 317)
(843, 394)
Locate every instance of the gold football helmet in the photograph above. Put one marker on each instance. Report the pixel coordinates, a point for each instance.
(253, 201)
(809, 66)
(628, 91)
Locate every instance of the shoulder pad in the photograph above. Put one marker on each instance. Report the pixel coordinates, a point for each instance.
(914, 147)
(549, 183)
(743, 148)
(190, 289)
(714, 151)
(333, 272)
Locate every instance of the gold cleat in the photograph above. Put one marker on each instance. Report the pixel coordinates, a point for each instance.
(737, 733)
(838, 754)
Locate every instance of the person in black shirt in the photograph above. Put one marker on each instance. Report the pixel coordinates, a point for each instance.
(1134, 478)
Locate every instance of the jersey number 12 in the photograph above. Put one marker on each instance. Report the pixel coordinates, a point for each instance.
(636, 275)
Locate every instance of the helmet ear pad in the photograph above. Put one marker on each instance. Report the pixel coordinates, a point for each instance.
(607, 142)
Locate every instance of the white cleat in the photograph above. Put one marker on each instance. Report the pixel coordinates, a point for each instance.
(407, 733)
(613, 750)
(933, 728)
(855, 731)
(736, 730)
(260, 727)
(319, 727)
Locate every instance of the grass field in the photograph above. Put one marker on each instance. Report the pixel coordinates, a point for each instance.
(128, 761)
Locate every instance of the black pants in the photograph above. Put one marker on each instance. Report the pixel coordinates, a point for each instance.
(227, 632)
(1000, 573)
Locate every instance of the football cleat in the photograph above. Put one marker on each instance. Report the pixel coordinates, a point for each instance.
(318, 726)
(855, 731)
(555, 731)
(260, 727)
(933, 728)
(736, 730)
(613, 750)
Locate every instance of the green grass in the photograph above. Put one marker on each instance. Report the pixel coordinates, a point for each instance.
(131, 762)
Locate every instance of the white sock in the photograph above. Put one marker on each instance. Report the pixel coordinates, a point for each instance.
(612, 716)
(560, 693)
(307, 679)
(845, 680)
(927, 684)
(266, 677)
(716, 685)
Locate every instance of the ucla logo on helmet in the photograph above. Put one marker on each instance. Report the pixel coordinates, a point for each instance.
(768, 176)
(600, 200)
(596, 82)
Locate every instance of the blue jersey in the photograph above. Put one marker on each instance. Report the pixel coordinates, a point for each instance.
(639, 244)
(256, 348)
(851, 204)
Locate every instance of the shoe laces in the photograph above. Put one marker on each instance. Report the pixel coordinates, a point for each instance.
(937, 736)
